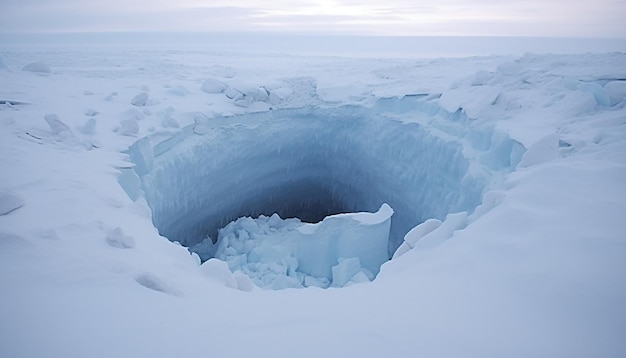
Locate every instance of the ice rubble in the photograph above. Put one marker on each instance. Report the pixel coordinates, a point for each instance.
(340, 250)
(311, 163)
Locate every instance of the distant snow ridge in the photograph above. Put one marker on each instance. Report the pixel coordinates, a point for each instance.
(311, 163)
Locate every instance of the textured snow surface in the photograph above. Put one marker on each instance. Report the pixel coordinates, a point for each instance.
(509, 262)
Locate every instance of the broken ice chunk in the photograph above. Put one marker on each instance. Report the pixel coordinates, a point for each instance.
(201, 123)
(91, 112)
(482, 78)
(89, 127)
(129, 127)
(218, 270)
(360, 277)
(142, 154)
(132, 114)
(37, 67)
(213, 86)
(447, 228)
(345, 270)
(233, 93)
(140, 100)
(56, 125)
(321, 282)
(421, 230)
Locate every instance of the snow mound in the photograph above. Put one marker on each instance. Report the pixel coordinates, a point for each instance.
(152, 282)
(90, 112)
(213, 86)
(89, 128)
(411, 238)
(56, 125)
(233, 93)
(116, 238)
(129, 127)
(201, 123)
(132, 113)
(544, 150)
(217, 270)
(599, 93)
(167, 119)
(37, 67)
(140, 99)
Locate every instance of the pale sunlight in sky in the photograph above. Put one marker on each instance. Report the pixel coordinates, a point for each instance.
(573, 18)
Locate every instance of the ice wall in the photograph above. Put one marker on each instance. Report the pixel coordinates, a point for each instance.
(314, 162)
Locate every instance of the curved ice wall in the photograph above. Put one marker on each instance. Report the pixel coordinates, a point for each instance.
(313, 162)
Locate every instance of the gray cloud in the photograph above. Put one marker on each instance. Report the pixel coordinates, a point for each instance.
(416, 17)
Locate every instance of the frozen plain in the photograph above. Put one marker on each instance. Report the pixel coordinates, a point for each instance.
(84, 272)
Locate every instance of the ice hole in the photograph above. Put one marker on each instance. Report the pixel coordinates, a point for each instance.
(309, 163)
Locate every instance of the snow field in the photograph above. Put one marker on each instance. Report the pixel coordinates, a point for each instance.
(539, 274)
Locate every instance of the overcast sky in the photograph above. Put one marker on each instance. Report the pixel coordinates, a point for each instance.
(573, 18)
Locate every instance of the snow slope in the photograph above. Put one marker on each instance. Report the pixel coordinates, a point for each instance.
(538, 270)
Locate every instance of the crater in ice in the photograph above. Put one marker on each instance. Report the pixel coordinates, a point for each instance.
(245, 189)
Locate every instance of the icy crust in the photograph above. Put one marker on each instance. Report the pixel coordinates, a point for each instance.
(312, 162)
(341, 250)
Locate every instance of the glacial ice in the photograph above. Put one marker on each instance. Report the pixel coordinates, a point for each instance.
(313, 163)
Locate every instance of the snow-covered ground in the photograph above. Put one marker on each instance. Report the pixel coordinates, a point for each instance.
(538, 270)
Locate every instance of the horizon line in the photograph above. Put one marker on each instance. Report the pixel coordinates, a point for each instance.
(305, 34)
